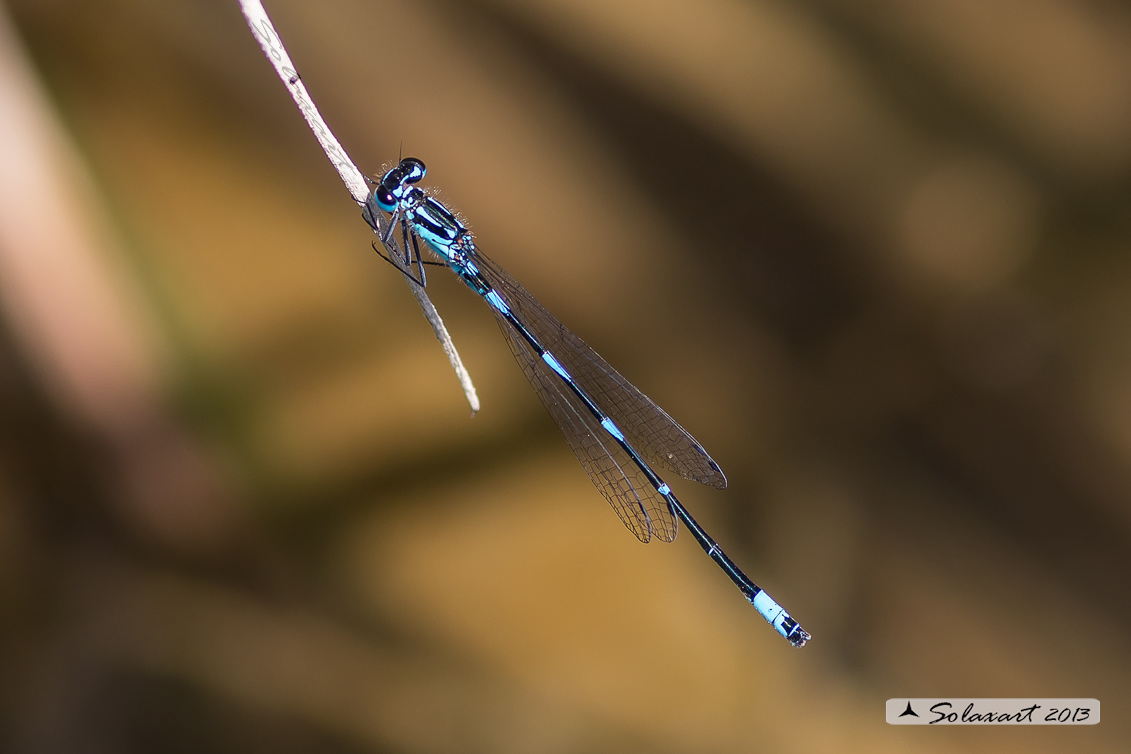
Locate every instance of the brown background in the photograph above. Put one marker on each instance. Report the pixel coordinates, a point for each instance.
(873, 255)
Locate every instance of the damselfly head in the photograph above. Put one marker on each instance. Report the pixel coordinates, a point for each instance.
(412, 170)
(391, 189)
(384, 197)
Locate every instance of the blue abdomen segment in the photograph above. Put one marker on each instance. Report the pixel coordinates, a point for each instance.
(614, 430)
(496, 301)
(777, 617)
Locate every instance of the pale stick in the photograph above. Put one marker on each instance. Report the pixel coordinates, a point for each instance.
(273, 48)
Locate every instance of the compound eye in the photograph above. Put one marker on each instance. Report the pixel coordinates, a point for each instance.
(412, 169)
(385, 198)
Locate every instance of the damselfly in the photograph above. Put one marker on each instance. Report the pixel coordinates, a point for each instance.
(615, 431)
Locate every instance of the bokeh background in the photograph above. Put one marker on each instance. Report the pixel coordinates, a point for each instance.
(873, 255)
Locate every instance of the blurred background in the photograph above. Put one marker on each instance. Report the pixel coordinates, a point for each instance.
(873, 255)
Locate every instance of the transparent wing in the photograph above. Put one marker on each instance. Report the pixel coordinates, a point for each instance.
(649, 429)
(642, 509)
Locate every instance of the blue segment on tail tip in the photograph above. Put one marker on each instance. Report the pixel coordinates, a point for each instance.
(774, 613)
